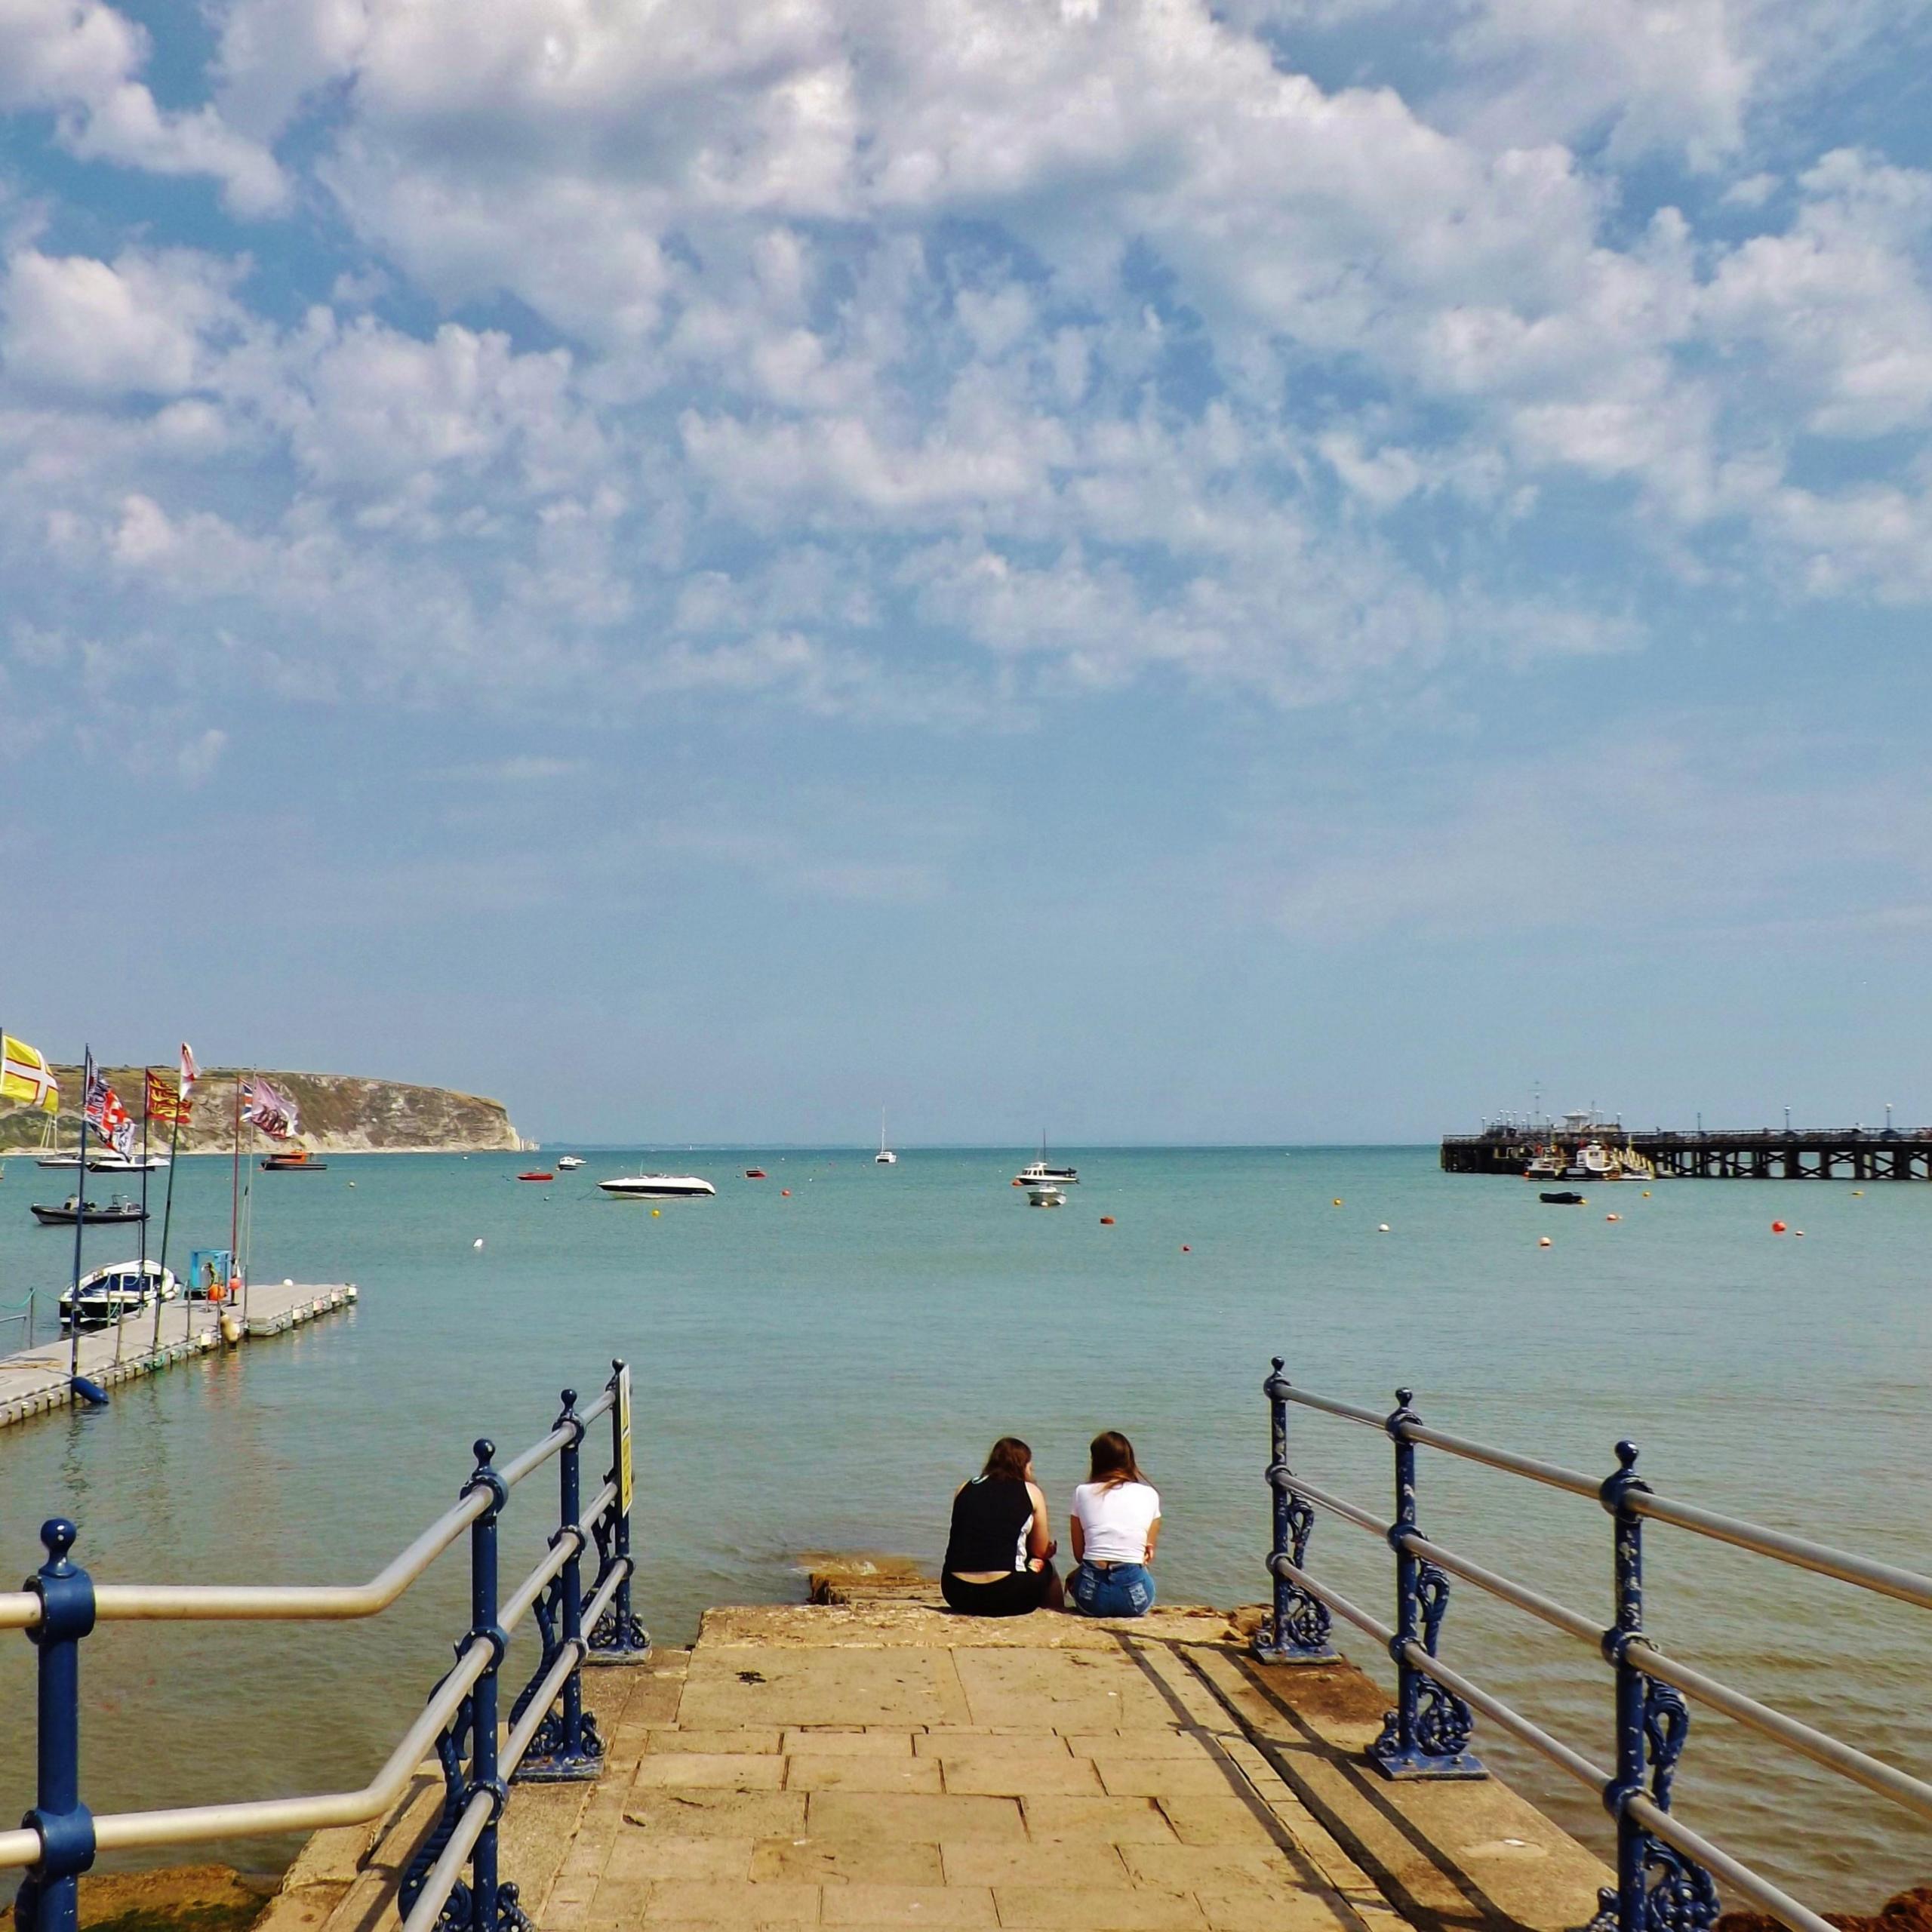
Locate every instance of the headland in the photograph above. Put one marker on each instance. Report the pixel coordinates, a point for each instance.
(340, 1113)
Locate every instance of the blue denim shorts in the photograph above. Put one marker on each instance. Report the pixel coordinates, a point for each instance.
(1126, 1589)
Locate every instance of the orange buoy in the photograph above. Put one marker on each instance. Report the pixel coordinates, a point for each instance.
(786, 1191)
(1338, 1201)
(1613, 1217)
(1106, 1220)
(1017, 1181)
(1777, 1227)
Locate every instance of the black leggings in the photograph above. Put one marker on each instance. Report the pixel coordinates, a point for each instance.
(1016, 1596)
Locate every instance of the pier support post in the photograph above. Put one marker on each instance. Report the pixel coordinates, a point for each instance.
(619, 1637)
(49, 1897)
(1427, 1734)
(1657, 1889)
(566, 1747)
(1297, 1631)
(493, 1906)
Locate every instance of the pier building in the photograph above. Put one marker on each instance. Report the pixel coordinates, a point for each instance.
(1844, 1153)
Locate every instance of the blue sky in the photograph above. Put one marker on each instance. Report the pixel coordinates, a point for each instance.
(1281, 571)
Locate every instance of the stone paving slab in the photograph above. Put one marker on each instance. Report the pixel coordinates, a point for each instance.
(888, 1764)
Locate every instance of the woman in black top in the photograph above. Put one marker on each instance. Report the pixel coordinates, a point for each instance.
(999, 1557)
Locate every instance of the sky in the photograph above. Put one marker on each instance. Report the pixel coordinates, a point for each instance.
(1284, 570)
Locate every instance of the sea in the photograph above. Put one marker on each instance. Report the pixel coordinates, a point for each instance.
(820, 1358)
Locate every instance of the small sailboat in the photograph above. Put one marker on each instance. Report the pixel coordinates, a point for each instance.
(120, 1289)
(885, 1157)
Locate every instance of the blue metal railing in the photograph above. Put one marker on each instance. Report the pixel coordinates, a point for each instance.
(550, 1737)
(1666, 1874)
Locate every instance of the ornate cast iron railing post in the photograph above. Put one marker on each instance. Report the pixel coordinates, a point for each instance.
(618, 1636)
(1427, 1734)
(566, 1746)
(1297, 1632)
(1657, 1889)
(48, 1900)
(493, 1906)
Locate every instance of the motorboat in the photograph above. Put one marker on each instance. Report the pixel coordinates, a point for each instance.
(568, 1163)
(1543, 1165)
(537, 1173)
(121, 1288)
(118, 1208)
(885, 1157)
(1037, 1174)
(58, 1160)
(293, 1161)
(109, 1160)
(656, 1187)
(755, 1174)
(1562, 1198)
(1049, 1196)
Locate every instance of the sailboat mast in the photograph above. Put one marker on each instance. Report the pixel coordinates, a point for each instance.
(80, 1221)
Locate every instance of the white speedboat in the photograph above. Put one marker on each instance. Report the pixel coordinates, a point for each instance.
(107, 1161)
(657, 1187)
(1049, 1196)
(570, 1163)
(122, 1288)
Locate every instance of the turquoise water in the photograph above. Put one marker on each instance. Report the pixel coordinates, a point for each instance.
(817, 1372)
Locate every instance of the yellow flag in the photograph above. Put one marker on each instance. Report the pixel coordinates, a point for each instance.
(25, 1077)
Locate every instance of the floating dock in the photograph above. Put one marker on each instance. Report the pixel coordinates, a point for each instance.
(884, 1763)
(1854, 1153)
(35, 1381)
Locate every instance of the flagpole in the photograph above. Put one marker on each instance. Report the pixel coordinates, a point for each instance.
(247, 1266)
(120, 1316)
(80, 1220)
(234, 1182)
(167, 1219)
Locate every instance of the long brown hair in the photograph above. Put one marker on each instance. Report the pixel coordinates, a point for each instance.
(1112, 1461)
(1009, 1459)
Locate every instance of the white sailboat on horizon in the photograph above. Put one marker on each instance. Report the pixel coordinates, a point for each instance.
(885, 1157)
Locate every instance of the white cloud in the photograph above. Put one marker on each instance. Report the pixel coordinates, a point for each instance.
(79, 59)
(142, 322)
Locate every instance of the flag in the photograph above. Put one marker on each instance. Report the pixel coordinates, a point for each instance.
(106, 1115)
(273, 1112)
(166, 1106)
(190, 1073)
(25, 1076)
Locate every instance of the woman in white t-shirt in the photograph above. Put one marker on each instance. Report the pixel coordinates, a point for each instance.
(1116, 1524)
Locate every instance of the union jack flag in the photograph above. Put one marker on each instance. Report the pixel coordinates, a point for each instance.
(270, 1109)
(106, 1115)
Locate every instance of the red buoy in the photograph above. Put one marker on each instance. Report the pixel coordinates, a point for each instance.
(1185, 1249)
(1106, 1220)
(1777, 1227)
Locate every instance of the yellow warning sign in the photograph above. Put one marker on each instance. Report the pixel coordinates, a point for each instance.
(624, 1438)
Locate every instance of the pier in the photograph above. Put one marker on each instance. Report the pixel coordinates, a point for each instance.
(34, 1380)
(1849, 1153)
(872, 1759)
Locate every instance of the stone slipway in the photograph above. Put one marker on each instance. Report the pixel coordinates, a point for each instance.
(884, 1763)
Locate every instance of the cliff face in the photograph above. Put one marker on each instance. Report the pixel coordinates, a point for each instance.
(341, 1113)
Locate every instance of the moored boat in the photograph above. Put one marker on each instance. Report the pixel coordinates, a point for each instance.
(121, 1288)
(656, 1187)
(569, 1163)
(536, 1174)
(293, 1161)
(118, 1208)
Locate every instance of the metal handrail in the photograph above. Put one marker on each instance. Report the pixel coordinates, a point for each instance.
(1652, 1719)
(63, 1604)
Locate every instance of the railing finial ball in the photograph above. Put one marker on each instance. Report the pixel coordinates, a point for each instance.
(1279, 1364)
(58, 1534)
(1626, 1454)
(1405, 1396)
(483, 1449)
(570, 1399)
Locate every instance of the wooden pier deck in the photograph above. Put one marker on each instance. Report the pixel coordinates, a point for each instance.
(1849, 1153)
(35, 1381)
(888, 1764)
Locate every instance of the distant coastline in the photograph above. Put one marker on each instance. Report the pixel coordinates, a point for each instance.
(340, 1113)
